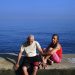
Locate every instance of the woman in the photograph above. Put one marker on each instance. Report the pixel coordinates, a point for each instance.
(53, 51)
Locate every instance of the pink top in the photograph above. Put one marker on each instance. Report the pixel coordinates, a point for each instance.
(59, 52)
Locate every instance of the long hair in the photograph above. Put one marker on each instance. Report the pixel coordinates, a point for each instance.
(51, 44)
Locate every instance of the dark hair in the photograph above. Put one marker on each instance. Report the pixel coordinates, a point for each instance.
(55, 35)
(51, 44)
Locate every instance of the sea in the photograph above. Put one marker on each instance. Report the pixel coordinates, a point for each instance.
(14, 32)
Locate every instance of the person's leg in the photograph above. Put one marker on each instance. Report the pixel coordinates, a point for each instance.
(46, 58)
(25, 70)
(55, 58)
(44, 63)
(35, 69)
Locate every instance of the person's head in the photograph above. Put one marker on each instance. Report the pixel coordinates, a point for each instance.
(30, 38)
(55, 38)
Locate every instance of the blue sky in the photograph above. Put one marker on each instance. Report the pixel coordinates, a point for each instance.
(37, 9)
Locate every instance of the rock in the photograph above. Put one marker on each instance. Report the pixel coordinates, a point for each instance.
(66, 67)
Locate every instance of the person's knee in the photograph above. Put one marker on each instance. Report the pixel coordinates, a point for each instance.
(24, 68)
(35, 67)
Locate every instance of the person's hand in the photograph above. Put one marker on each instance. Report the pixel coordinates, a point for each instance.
(44, 49)
(16, 66)
(44, 54)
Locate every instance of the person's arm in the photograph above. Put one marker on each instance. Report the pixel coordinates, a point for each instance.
(18, 59)
(54, 50)
(39, 48)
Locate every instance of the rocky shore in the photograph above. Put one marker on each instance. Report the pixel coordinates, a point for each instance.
(66, 67)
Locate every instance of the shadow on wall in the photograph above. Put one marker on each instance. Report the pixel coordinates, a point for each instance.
(12, 58)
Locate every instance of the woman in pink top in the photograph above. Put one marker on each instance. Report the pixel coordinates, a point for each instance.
(53, 53)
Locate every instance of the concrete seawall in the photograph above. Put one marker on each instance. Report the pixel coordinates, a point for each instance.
(66, 67)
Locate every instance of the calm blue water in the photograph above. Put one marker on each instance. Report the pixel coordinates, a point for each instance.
(14, 32)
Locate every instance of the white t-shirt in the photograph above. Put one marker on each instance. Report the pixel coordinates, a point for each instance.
(30, 50)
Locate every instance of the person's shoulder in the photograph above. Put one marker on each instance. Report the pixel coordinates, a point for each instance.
(25, 44)
(35, 41)
(59, 45)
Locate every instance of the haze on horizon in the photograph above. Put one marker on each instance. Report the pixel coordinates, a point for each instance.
(37, 9)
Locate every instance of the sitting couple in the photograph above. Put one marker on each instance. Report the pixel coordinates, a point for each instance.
(53, 53)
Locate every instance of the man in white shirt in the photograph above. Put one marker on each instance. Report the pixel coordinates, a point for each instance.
(32, 57)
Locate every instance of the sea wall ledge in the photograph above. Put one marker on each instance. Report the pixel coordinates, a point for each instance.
(66, 67)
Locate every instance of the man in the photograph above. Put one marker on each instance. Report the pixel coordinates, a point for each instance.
(32, 57)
